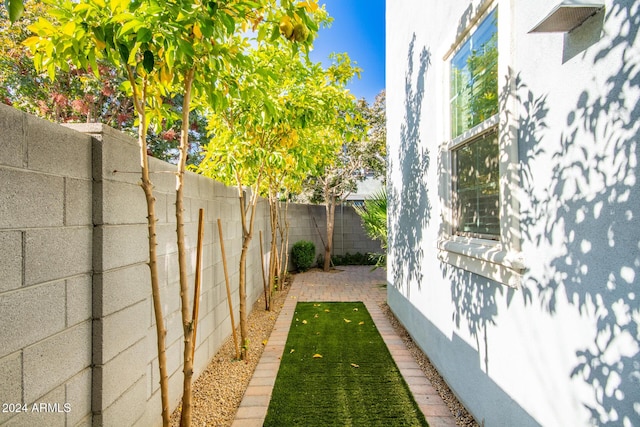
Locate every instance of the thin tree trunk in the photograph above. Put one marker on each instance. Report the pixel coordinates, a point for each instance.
(330, 209)
(264, 279)
(282, 219)
(244, 331)
(285, 245)
(247, 234)
(273, 213)
(187, 320)
(147, 187)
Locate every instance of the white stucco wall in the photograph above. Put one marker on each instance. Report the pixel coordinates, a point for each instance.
(563, 349)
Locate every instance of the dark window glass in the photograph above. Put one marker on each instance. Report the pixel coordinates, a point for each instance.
(476, 187)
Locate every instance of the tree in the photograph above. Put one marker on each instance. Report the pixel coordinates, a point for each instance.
(74, 96)
(337, 177)
(255, 137)
(84, 33)
(309, 99)
(164, 50)
(376, 141)
(79, 96)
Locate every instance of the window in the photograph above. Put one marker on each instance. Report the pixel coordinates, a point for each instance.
(480, 229)
(476, 187)
(474, 78)
(474, 99)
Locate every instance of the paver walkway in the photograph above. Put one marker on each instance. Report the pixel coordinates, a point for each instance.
(351, 283)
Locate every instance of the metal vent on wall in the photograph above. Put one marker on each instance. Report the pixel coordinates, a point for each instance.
(566, 16)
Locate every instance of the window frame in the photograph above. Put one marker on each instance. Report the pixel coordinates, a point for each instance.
(500, 260)
(455, 203)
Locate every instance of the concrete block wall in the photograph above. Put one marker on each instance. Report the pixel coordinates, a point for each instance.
(76, 319)
(126, 389)
(309, 222)
(46, 235)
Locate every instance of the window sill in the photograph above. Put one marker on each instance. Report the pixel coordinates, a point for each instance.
(485, 258)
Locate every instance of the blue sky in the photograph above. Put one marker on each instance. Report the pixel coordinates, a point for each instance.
(358, 28)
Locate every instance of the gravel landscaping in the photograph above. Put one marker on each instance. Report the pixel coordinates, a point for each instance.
(218, 391)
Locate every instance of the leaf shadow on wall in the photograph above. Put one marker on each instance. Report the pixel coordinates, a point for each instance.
(589, 214)
(409, 201)
(474, 296)
(592, 210)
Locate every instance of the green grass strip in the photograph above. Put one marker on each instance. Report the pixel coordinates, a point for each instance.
(337, 371)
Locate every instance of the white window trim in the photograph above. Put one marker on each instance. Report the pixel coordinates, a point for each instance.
(499, 260)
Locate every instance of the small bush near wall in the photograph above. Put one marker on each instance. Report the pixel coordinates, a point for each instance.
(351, 259)
(302, 254)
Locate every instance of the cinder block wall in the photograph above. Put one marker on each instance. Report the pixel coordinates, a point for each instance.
(309, 222)
(126, 388)
(76, 319)
(46, 234)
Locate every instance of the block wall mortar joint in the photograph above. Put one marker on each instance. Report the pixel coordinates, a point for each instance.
(65, 194)
(23, 238)
(22, 376)
(25, 146)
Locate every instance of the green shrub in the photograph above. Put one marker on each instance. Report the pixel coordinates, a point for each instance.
(351, 259)
(374, 219)
(303, 254)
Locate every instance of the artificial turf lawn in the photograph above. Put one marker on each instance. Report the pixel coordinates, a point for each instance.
(337, 371)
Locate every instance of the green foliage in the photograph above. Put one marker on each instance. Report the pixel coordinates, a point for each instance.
(374, 220)
(339, 175)
(16, 8)
(303, 254)
(74, 96)
(375, 150)
(374, 216)
(348, 258)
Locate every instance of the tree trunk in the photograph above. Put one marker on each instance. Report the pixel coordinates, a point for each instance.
(187, 321)
(330, 209)
(242, 289)
(273, 258)
(285, 246)
(147, 187)
(247, 234)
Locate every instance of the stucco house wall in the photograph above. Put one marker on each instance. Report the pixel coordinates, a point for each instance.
(546, 331)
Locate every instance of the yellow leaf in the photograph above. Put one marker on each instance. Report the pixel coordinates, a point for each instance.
(347, 320)
(196, 31)
(264, 342)
(31, 42)
(310, 6)
(165, 76)
(326, 310)
(292, 350)
(69, 28)
(100, 45)
(304, 322)
(317, 356)
(355, 365)
(361, 323)
(355, 309)
(315, 316)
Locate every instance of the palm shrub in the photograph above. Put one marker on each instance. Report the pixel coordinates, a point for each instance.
(374, 219)
(303, 253)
